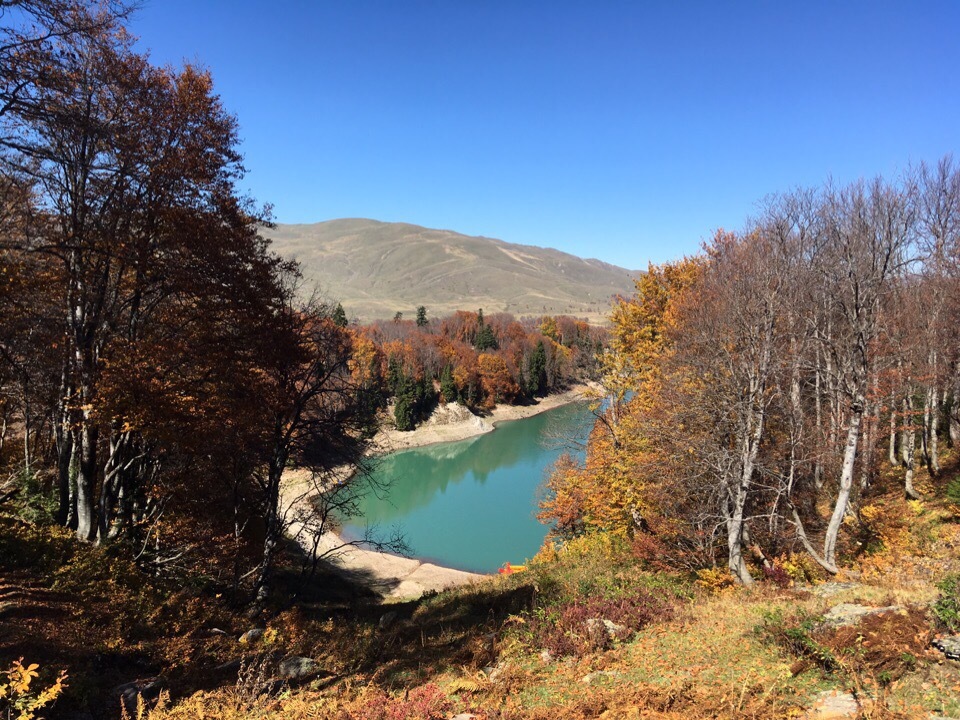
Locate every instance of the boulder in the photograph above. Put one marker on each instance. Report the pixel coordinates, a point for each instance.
(298, 669)
(230, 665)
(493, 673)
(603, 632)
(252, 635)
(387, 619)
(590, 677)
(832, 705)
(828, 589)
(850, 614)
(128, 693)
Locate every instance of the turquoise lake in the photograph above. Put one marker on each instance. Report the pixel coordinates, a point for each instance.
(471, 504)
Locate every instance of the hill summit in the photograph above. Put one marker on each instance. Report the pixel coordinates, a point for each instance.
(377, 269)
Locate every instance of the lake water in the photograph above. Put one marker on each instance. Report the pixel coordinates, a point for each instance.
(471, 504)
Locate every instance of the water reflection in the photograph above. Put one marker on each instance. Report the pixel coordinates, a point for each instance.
(470, 504)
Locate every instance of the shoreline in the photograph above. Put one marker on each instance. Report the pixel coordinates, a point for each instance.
(453, 422)
(394, 577)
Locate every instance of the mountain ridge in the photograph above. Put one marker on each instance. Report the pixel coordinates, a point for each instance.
(378, 268)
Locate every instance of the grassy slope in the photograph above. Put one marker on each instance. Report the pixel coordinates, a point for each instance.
(378, 268)
(698, 652)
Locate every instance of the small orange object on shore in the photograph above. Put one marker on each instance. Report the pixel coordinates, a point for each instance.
(509, 569)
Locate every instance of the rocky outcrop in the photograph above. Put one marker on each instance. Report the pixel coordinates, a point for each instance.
(298, 669)
(832, 705)
(850, 614)
(603, 632)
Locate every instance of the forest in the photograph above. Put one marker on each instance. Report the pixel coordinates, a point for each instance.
(758, 388)
(475, 360)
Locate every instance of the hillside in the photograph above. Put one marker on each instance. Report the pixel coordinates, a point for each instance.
(376, 269)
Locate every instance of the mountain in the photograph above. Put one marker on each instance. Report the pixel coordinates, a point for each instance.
(377, 269)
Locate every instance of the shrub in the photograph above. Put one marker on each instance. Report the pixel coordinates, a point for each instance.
(426, 702)
(795, 635)
(564, 629)
(947, 607)
(953, 491)
(17, 700)
(714, 579)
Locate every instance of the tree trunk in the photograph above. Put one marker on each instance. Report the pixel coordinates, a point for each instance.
(909, 451)
(892, 452)
(933, 441)
(87, 480)
(907, 405)
(26, 430)
(64, 456)
(846, 483)
(954, 419)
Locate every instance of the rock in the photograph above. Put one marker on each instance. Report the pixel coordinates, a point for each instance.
(949, 646)
(831, 705)
(148, 689)
(298, 668)
(387, 619)
(450, 414)
(603, 632)
(216, 632)
(464, 716)
(546, 656)
(230, 665)
(493, 673)
(252, 635)
(590, 677)
(829, 589)
(850, 614)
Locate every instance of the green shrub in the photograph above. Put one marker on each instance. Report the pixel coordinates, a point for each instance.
(953, 491)
(947, 607)
(795, 635)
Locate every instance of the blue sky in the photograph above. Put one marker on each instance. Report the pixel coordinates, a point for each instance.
(626, 131)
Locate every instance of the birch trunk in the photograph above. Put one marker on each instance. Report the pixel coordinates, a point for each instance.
(846, 483)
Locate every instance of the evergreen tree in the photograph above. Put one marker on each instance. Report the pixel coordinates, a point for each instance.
(405, 409)
(486, 340)
(447, 387)
(537, 370)
(339, 316)
(421, 316)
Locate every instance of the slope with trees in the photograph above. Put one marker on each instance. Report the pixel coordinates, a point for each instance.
(156, 358)
(753, 386)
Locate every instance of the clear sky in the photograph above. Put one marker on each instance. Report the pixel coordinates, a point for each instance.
(627, 131)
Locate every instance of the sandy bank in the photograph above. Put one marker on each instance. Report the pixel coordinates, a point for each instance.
(397, 578)
(453, 422)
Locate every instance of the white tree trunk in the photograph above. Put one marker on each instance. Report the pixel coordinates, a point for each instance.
(846, 483)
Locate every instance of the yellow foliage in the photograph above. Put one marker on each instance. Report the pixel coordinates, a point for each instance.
(606, 546)
(714, 580)
(641, 324)
(17, 701)
(801, 568)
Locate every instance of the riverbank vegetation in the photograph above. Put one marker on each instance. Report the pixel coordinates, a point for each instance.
(476, 360)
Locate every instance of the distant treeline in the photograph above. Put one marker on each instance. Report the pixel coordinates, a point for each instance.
(473, 359)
